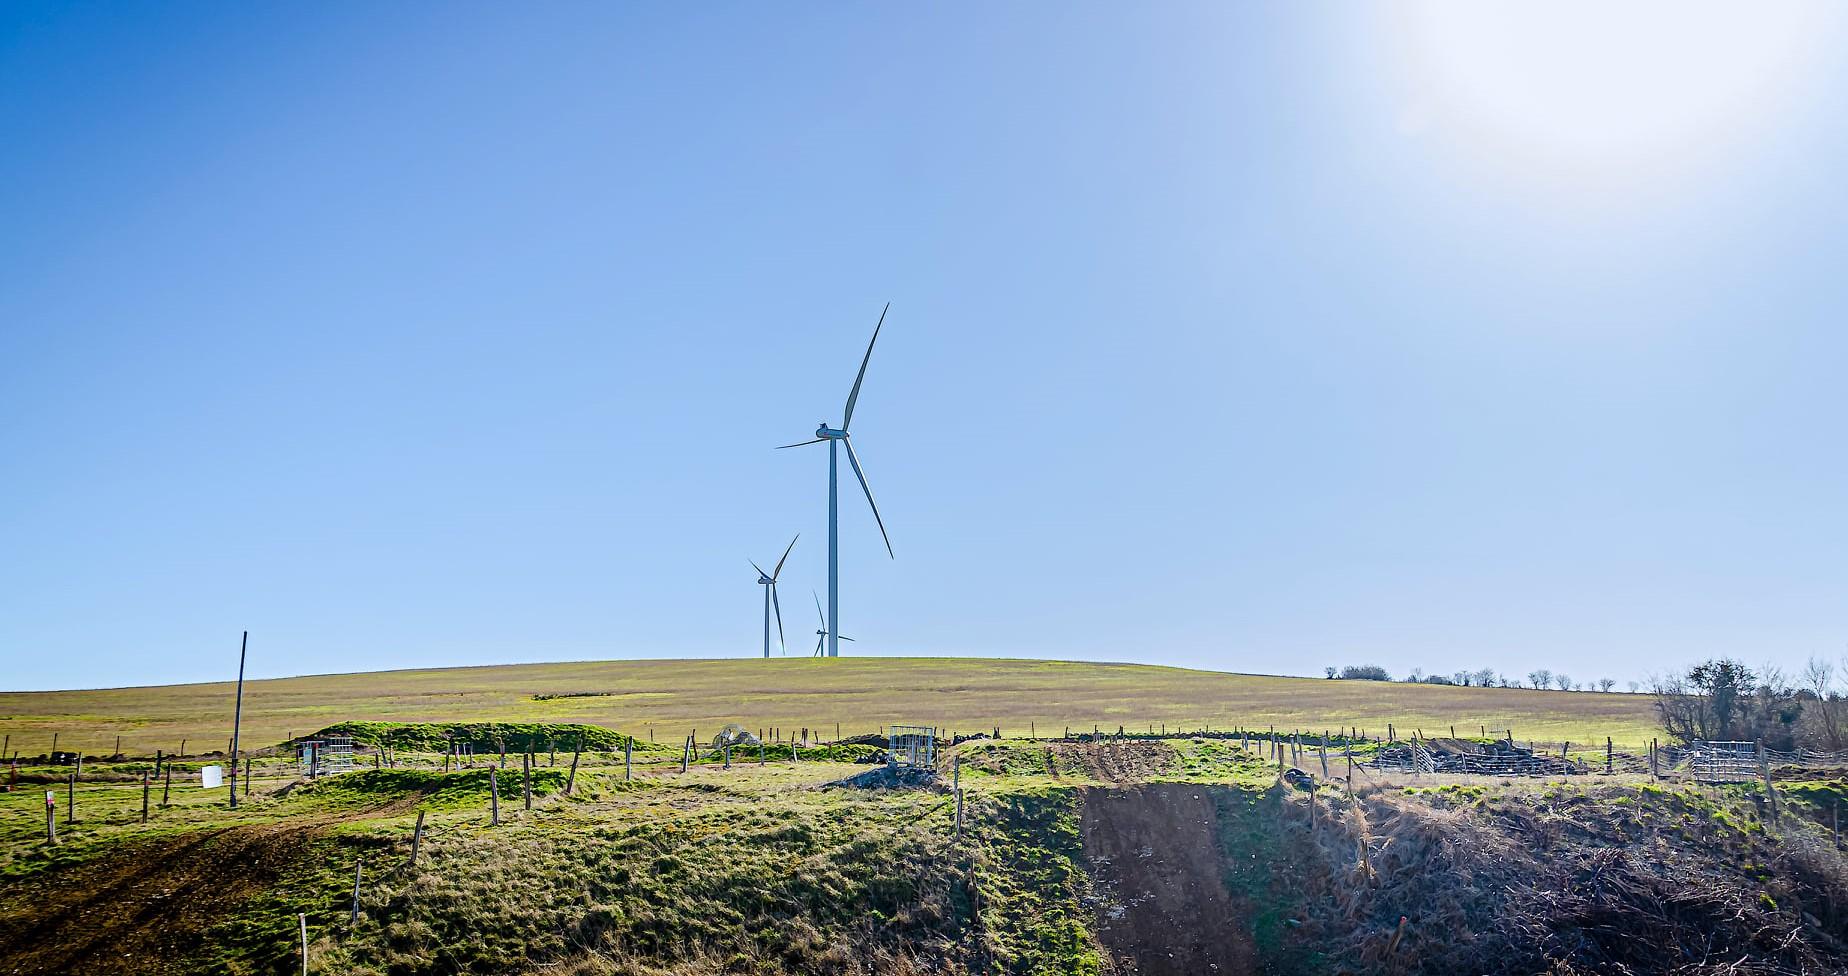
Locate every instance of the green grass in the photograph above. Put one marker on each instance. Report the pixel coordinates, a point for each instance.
(662, 701)
(758, 870)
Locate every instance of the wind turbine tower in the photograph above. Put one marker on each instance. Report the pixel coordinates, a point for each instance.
(837, 439)
(768, 582)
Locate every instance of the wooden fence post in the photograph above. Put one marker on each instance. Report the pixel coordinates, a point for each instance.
(1610, 755)
(494, 794)
(956, 778)
(303, 920)
(1764, 769)
(526, 779)
(628, 751)
(51, 816)
(416, 837)
(571, 779)
(359, 866)
(70, 799)
(145, 787)
(686, 749)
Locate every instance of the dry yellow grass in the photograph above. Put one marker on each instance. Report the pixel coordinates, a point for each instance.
(861, 694)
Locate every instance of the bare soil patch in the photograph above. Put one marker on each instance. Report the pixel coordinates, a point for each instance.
(1155, 854)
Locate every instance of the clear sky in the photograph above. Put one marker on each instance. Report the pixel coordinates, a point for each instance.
(1254, 337)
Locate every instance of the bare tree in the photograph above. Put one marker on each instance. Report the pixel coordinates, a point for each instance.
(1604, 684)
(1723, 699)
(1562, 682)
(1540, 678)
(1486, 678)
(1819, 680)
(1462, 677)
(1331, 672)
(1634, 686)
(1416, 676)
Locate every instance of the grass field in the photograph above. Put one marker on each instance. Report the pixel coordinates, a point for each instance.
(1175, 855)
(861, 694)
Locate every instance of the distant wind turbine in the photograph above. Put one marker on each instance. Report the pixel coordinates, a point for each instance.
(824, 634)
(768, 581)
(838, 439)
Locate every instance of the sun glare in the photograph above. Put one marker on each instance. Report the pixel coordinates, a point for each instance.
(1602, 88)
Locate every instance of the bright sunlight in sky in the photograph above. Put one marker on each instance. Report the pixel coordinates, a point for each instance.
(1605, 93)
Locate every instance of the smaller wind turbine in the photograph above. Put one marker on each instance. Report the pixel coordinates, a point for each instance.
(768, 582)
(821, 636)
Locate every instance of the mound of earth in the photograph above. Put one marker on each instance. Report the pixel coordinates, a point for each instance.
(889, 778)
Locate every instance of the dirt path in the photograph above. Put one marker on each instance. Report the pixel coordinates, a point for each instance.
(1155, 852)
(145, 908)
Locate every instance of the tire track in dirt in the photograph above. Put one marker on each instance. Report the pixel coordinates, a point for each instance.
(1154, 850)
(144, 908)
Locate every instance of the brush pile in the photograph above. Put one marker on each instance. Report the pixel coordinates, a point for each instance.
(1569, 885)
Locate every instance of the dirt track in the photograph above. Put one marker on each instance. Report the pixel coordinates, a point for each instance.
(145, 908)
(1156, 855)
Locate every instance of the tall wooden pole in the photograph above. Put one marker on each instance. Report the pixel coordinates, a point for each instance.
(237, 715)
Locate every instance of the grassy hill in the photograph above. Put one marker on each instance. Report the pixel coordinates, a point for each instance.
(860, 694)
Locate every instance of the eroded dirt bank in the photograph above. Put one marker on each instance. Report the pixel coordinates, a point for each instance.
(1613, 880)
(1155, 854)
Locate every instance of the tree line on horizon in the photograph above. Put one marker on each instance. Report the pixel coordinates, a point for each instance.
(1540, 678)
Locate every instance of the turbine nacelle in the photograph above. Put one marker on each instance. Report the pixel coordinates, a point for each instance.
(826, 433)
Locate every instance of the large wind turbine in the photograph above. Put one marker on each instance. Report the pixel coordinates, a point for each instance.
(768, 582)
(837, 439)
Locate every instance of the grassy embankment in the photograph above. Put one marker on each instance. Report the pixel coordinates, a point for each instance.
(754, 869)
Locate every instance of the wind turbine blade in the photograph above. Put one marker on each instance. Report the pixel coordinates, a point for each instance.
(846, 638)
(784, 447)
(818, 613)
(760, 569)
(854, 460)
(780, 562)
(818, 641)
(847, 416)
(778, 604)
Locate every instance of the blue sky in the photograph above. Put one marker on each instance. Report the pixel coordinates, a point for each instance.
(1255, 337)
